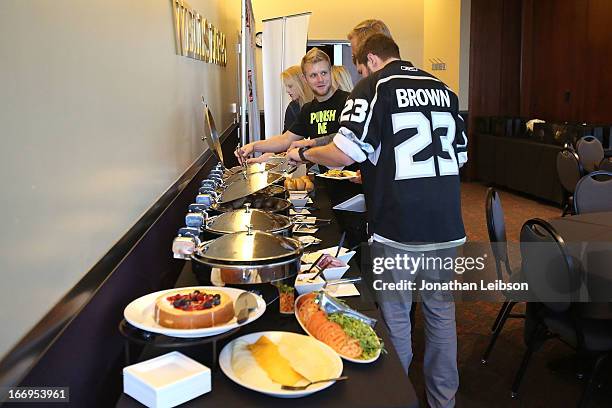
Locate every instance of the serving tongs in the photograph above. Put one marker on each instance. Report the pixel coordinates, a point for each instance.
(341, 281)
(329, 304)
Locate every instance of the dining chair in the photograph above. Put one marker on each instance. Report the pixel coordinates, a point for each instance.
(554, 284)
(606, 164)
(593, 193)
(569, 172)
(590, 151)
(496, 227)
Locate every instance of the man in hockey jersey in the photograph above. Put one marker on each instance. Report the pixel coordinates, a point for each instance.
(402, 125)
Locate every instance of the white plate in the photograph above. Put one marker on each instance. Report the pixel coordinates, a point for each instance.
(353, 360)
(353, 175)
(141, 313)
(308, 240)
(225, 362)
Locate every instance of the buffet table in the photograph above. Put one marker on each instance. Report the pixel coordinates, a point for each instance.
(382, 383)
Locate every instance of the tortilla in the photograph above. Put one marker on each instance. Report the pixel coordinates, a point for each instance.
(278, 368)
(306, 357)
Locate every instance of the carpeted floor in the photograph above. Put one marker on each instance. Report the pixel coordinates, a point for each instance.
(489, 386)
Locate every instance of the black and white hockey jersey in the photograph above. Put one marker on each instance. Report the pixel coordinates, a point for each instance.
(403, 126)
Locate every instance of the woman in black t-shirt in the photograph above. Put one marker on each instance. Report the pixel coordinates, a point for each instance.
(298, 91)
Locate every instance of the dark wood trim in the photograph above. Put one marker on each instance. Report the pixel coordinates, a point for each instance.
(526, 58)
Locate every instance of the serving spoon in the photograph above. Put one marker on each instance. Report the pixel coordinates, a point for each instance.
(303, 387)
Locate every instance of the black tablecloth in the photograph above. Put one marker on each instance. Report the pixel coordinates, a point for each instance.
(379, 384)
(589, 241)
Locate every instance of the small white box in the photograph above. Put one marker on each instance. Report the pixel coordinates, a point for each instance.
(166, 381)
(303, 286)
(335, 273)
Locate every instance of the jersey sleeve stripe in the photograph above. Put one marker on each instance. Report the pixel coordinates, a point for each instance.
(465, 141)
(462, 158)
(346, 141)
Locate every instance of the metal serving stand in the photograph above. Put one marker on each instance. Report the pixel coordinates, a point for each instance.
(135, 336)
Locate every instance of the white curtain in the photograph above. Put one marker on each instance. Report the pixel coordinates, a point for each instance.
(284, 44)
(249, 77)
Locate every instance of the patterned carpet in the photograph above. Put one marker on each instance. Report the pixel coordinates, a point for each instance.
(489, 386)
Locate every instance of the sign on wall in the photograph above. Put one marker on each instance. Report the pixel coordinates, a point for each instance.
(196, 37)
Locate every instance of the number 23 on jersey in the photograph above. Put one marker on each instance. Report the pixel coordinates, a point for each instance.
(405, 165)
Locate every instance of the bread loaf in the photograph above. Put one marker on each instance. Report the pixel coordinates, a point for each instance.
(289, 183)
(309, 185)
(300, 184)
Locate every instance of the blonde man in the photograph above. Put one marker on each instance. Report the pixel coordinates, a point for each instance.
(365, 29)
(317, 120)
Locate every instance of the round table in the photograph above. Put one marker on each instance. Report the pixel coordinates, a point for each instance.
(589, 240)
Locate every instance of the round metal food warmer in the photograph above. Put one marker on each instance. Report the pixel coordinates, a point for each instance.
(245, 218)
(257, 201)
(251, 260)
(274, 190)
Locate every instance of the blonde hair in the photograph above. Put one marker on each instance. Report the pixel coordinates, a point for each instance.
(294, 73)
(313, 56)
(364, 30)
(341, 78)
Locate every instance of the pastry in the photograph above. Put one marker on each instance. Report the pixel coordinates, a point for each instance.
(192, 309)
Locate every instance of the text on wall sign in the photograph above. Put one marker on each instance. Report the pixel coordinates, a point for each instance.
(195, 37)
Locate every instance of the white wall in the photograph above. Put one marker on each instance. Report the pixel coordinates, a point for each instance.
(332, 20)
(98, 117)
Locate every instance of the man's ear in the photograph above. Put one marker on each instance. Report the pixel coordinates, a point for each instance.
(373, 60)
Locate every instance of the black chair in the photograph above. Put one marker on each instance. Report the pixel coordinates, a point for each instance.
(569, 171)
(554, 281)
(590, 151)
(496, 227)
(593, 193)
(606, 164)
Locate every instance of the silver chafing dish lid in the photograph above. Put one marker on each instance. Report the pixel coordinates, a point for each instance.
(239, 220)
(251, 248)
(251, 168)
(248, 184)
(211, 136)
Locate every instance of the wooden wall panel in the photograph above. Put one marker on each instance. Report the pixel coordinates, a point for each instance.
(526, 80)
(597, 66)
(495, 55)
(485, 57)
(548, 59)
(510, 65)
(558, 41)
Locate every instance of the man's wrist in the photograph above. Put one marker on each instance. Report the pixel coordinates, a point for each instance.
(255, 146)
(302, 153)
